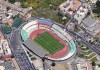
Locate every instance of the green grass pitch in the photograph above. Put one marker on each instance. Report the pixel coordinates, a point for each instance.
(50, 44)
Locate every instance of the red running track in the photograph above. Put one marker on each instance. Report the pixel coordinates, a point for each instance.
(59, 53)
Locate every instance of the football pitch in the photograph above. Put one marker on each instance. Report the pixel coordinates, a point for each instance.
(47, 42)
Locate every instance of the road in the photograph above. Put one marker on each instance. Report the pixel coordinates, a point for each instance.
(72, 17)
(19, 52)
(75, 35)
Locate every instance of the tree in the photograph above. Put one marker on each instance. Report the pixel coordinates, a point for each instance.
(53, 64)
(33, 58)
(12, 1)
(99, 65)
(93, 63)
(98, 4)
(96, 10)
(43, 59)
(81, 55)
(8, 8)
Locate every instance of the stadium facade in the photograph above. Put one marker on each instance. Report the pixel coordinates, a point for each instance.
(33, 28)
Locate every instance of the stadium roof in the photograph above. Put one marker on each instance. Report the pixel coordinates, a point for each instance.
(45, 21)
(31, 45)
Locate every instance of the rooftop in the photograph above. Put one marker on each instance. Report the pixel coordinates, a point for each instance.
(89, 21)
(70, 6)
(4, 47)
(1, 36)
(92, 25)
(83, 65)
(76, 4)
(81, 13)
(2, 68)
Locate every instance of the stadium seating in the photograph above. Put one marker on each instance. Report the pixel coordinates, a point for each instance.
(60, 32)
(27, 29)
(72, 46)
(67, 36)
(42, 26)
(31, 28)
(33, 25)
(24, 35)
(45, 22)
(30, 24)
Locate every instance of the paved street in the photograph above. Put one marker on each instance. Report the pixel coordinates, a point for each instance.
(84, 41)
(19, 52)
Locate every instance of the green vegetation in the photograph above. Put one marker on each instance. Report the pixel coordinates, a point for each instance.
(87, 53)
(97, 37)
(76, 28)
(94, 59)
(30, 55)
(48, 43)
(90, 55)
(28, 52)
(93, 63)
(33, 58)
(98, 3)
(13, 1)
(81, 55)
(85, 48)
(62, 21)
(96, 10)
(46, 9)
(6, 29)
(53, 64)
(8, 8)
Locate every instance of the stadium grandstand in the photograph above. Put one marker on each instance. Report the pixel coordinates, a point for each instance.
(53, 42)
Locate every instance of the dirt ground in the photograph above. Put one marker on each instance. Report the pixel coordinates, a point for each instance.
(61, 67)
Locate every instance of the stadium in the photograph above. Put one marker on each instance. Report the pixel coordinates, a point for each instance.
(47, 39)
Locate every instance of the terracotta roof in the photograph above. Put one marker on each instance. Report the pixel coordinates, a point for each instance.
(98, 19)
(9, 21)
(76, 5)
(1, 37)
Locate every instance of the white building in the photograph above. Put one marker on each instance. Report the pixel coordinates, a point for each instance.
(38, 64)
(91, 25)
(69, 7)
(93, 1)
(83, 64)
(81, 13)
(6, 47)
